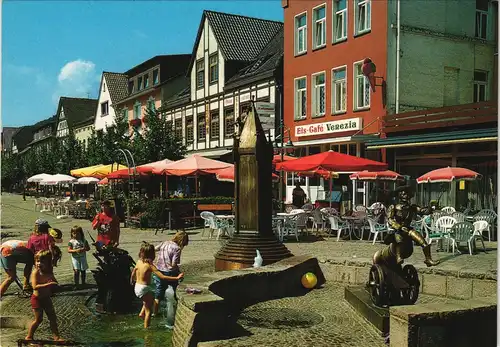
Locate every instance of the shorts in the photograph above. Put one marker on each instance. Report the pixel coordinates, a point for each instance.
(142, 289)
(41, 303)
(10, 262)
(162, 285)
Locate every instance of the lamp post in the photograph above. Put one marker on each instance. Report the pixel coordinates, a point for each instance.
(127, 154)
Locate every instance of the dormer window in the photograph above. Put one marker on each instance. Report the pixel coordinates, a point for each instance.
(200, 73)
(155, 76)
(139, 83)
(146, 81)
(213, 62)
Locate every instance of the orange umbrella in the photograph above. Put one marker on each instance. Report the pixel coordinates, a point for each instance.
(156, 165)
(124, 173)
(193, 165)
(103, 182)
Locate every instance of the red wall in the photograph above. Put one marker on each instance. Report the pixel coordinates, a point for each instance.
(372, 44)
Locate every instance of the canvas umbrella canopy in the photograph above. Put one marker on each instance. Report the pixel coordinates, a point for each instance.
(58, 179)
(38, 178)
(449, 174)
(124, 173)
(150, 167)
(331, 161)
(386, 175)
(277, 158)
(87, 180)
(193, 165)
(85, 171)
(105, 170)
(227, 175)
(103, 182)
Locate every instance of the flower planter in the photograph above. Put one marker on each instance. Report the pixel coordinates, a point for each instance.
(135, 122)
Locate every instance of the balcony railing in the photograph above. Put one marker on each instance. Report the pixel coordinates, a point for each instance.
(441, 117)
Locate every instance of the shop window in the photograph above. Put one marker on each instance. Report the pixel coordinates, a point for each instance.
(353, 149)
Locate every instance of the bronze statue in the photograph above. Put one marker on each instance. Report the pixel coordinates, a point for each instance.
(389, 282)
(400, 242)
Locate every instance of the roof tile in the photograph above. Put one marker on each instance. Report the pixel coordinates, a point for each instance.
(117, 84)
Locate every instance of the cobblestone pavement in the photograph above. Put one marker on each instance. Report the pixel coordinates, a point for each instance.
(340, 326)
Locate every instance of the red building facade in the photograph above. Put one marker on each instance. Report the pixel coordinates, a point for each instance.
(327, 100)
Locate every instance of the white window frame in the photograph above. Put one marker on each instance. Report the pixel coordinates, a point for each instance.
(368, 21)
(334, 90)
(315, 111)
(345, 16)
(295, 91)
(315, 22)
(106, 104)
(366, 89)
(480, 84)
(296, 34)
(483, 15)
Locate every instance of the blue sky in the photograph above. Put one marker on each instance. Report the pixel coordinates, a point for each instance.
(59, 48)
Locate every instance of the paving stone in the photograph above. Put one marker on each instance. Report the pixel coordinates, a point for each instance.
(483, 288)
(460, 288)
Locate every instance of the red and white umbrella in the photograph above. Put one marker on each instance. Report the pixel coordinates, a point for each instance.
(386, 175)
(449, 174)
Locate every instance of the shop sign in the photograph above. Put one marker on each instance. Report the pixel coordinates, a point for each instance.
(339, 126)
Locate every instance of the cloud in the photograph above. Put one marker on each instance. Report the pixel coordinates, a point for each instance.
(76, 79)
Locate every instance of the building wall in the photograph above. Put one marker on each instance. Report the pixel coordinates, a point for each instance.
(438, 54)
(82, 134)
(372, 44)
(129, 105)
(104, 121)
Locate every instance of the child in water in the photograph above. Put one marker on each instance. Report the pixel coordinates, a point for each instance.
(42, 279)
(142, 276)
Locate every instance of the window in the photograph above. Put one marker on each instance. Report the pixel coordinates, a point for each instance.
(103, 87)
(319, 26)
(481, 18)
(362, 16)
(189, 130)
(480, 85)
(245, 108)
(213, 63)
(200, 73)
(137, 110)
(229, 123)
(300, 98)
(130, 87)
(339, 20)
(301, 34)
(214, 126)
(146, 81)
(178, 128)
(318, 94)
(155, 76)
(361, 88)
(151, 105)
(139, 83)
(104, 108)
(339, 90)
(202, 130)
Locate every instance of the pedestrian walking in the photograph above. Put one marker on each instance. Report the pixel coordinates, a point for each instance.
(13, 252)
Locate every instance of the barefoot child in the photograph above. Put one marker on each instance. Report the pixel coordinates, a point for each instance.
(142, 275)
(78, 247)
(42, 278)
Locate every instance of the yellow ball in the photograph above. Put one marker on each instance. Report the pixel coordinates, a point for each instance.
(309, 280)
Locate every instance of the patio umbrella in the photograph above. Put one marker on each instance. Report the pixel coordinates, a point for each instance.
(193, 165)
(386, 175)
(227, 175)
(277, 158)
(331, 161)
(150, 167)
(124, 173)
(449, 174)
(104, 170)
(38, 178)
(57, 179)
(103, 182)
(84, 171)
(87, 180)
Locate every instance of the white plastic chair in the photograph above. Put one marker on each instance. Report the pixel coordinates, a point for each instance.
(208, 222)
(448, 209)
(464, 232)
(480, 226)
(329, 211)
(376, 228)
(318, 221)
(294, 225)
(339, 225)
(307, 208)
(486, 215)
(459, 216)
(38, 205)
(360, 208)
(443, 226)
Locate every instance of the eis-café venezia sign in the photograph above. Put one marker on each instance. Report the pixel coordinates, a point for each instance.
(328, 127)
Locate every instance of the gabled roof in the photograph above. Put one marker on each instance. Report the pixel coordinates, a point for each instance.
(263, 66)
(22, 137)
(77, 110)
(240, 38)
(117, 84)
(44, 123)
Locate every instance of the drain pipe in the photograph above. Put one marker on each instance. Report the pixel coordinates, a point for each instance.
(398, 50)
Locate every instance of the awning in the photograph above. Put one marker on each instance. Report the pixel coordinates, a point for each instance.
(436, 139)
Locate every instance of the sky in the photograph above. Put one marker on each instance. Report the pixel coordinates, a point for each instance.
(60, 48)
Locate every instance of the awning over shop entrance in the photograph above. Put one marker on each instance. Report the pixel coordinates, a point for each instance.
(435, 139)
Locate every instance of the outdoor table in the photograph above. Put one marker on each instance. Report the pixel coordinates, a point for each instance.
(352, 221)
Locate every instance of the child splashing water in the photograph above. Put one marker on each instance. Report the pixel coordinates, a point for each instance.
(78, 247)
(142, 275)
(42, 278)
